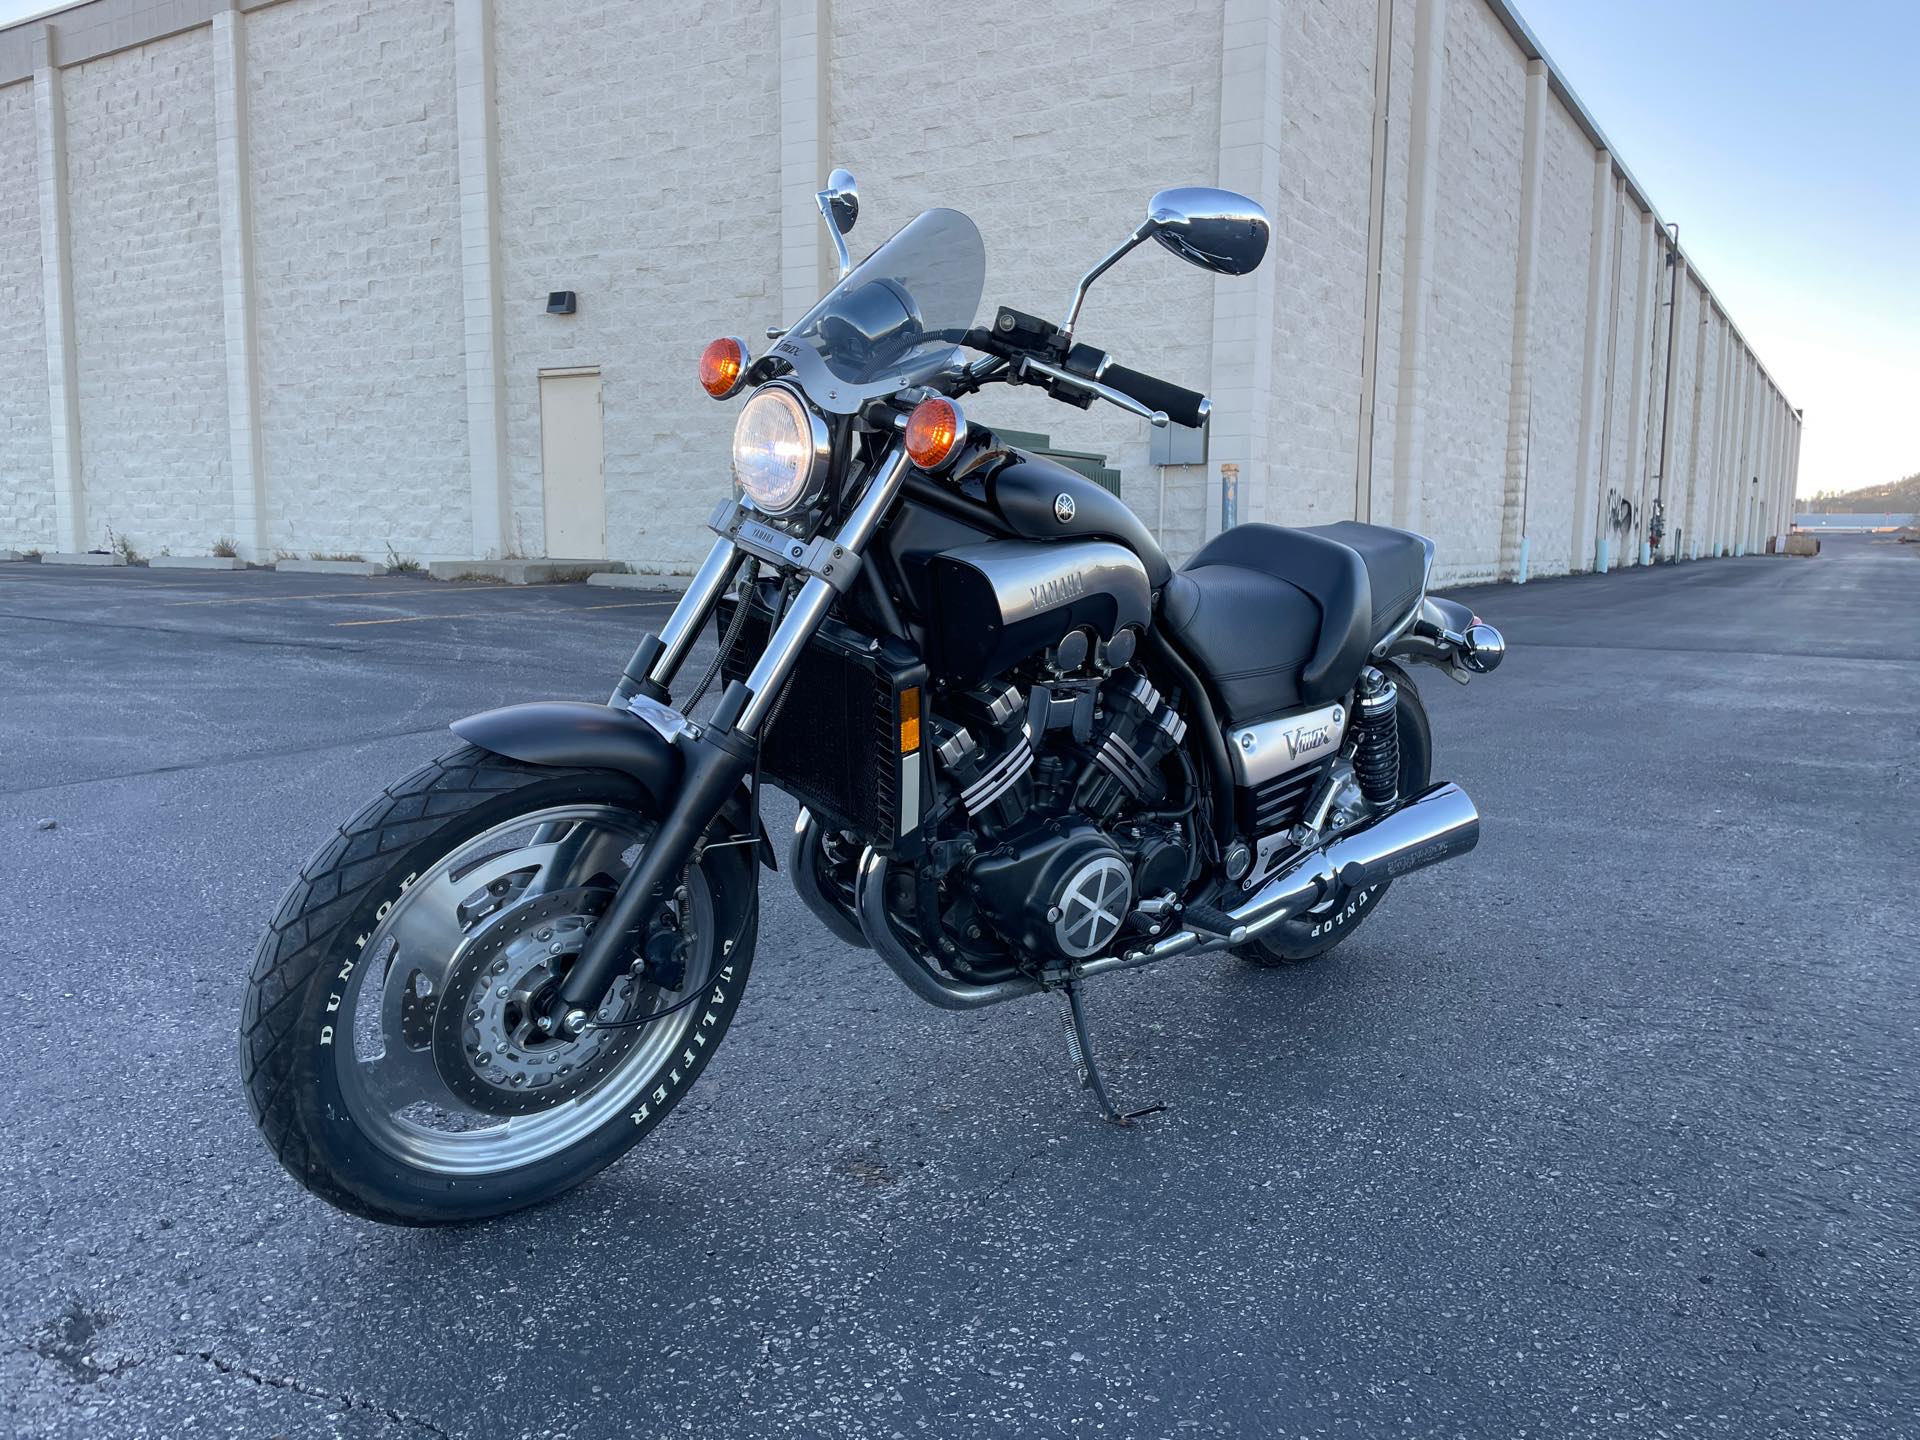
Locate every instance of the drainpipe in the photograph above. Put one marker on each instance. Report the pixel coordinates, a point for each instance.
(1674, 264)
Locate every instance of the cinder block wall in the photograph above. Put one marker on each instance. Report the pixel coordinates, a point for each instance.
(639, 166)
(356, 277)
(145, 257)
(26, 466)
(275, 269)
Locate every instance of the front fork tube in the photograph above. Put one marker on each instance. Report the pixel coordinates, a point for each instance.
(720, 757)
(657, 658)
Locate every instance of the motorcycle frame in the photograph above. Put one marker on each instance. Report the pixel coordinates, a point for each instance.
(716, 756)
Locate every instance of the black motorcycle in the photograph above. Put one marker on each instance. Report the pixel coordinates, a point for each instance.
(1029, 752)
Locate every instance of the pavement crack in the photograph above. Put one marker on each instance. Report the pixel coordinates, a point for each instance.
(1016, 1170)
(289, 1385)
(216, 761)
(196, 637)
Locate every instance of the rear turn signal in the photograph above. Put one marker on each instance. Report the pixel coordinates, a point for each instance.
(935, 432)
(723, 367)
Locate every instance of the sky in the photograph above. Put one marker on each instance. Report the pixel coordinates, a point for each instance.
(13, 11)
(1785, 139)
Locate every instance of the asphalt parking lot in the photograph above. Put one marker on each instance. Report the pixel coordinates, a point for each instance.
(1608, 1128)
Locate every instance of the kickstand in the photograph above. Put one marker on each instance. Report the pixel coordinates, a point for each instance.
(1080, 1047)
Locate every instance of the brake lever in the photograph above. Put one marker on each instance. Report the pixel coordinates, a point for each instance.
(1155, 418)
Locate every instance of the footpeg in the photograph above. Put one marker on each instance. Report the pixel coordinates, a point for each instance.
(1209, 921)
(1080, 1047)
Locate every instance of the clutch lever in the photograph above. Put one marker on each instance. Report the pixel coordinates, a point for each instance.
(1155, 418)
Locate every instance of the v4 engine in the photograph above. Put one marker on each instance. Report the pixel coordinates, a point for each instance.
(1059, 820)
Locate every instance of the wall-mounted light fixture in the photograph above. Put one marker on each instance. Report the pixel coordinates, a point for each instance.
(561, 302)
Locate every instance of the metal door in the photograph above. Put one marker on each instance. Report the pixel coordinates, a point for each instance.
(571, 463)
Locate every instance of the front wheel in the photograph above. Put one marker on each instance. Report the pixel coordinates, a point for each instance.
(390, 1040)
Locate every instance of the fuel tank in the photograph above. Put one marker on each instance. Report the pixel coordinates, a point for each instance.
(1038, 499)
(1003, 601)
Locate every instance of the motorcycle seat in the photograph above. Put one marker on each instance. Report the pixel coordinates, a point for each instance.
(1278, 617)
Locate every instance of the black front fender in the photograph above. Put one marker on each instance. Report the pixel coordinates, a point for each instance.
(566, 733)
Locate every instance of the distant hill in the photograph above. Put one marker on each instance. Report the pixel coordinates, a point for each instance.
(1897, 497)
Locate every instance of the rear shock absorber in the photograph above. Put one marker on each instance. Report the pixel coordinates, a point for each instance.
(1376, 750)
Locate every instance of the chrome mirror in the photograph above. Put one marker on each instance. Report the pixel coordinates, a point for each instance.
(840, 207)
(1217, 230)
(843, 200)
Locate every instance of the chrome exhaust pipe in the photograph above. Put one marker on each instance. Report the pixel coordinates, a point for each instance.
(803, 865)
(1434, 826)
(922, 978)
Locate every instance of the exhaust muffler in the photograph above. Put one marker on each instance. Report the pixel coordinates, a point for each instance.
(1434, 826)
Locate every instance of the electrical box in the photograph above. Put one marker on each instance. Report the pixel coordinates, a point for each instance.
(1177, 445)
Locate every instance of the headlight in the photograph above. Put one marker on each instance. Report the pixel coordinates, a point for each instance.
(780, 450)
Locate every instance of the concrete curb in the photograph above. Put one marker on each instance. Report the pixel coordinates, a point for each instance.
(515, 572)
(84, 558)
(197, 562)
(330, 567)
(620, 580)
(14, 555)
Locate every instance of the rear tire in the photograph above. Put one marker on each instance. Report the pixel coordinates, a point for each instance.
(1309, 936)
(300, 1014)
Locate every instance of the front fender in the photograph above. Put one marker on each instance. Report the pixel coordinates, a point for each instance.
(577, 733)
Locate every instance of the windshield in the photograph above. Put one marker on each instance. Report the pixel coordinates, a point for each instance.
(896, 319)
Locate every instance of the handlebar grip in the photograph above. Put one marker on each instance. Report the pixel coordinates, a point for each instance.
(1182, 406)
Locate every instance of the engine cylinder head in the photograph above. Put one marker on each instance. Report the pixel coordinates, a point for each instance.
(1142, 730)
(995, 790)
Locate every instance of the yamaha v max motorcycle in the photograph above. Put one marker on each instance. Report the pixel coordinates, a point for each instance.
(1029, 751)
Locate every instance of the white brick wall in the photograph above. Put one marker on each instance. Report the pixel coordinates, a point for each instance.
(1393, 250)
(356, 264)
(26, 465)
(146, 296)
(1471, 322)
(1117, 102)
(1320, 258)
(639, 166)
(1678, 479)
(1558, 340)
(658, 159)
(1623, 448)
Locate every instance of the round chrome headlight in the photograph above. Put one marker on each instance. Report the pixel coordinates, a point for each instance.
(780, 450)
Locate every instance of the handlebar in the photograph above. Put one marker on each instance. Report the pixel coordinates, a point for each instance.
(1179, 404)
(1026, 343)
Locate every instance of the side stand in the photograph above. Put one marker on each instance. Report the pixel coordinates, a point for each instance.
(1080, 1048)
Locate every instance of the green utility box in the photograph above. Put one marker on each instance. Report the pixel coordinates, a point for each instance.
(1082, 462)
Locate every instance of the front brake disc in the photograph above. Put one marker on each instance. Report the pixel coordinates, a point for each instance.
(487, 1044)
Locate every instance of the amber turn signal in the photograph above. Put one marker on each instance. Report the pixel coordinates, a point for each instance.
(723, 367)
(935, 432)
(909, 719)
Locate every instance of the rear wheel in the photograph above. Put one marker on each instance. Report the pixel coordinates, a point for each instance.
(1311, 935)
(391, 1039)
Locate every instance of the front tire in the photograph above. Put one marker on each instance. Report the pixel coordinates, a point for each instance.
(386, 1039)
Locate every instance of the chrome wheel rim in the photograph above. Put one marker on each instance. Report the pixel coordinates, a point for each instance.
(529, 870)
